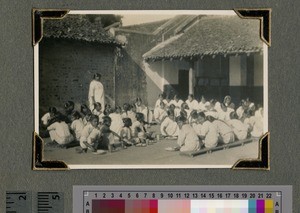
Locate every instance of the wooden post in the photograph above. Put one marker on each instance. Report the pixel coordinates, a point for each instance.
(191, 78)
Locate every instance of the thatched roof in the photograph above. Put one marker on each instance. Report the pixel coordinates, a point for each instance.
(77, 27)
(211, 35)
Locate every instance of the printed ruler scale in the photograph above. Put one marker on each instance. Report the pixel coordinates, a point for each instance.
(50, 202)
(183, 199)
(18, 202)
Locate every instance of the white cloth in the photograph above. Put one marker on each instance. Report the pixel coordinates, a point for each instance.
(99, 114)
(89, 134)
(188, 139)
(116, 123)
(45, 119)
(159, 114)
(239, 128)
(240, 112)
(96, 93)
(209, 131)
(148, 115)
(77, 127)
(157, 103)
(170, 127)
(224, 116)
(257, 124)
(224, 130)
(177, 103)
(129, 114)
(197, 127)
(193, 105)
(201, 107)
(59, 132)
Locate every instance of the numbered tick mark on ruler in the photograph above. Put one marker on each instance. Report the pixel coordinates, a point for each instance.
(50, 202)
(18, 202)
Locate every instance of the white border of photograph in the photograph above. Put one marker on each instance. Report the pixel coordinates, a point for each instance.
(150, 12)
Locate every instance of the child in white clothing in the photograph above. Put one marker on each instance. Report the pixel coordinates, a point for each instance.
(187, 137)
(90, 135)
(208, 134)
(191, 102)
(160, 113)
(239, 128)
(201, 105)
(48, 116)
(126, 134)
(59, 132)
(98, 111)
(169, 127)
(116, 120)
(224, 130)
(76, 125)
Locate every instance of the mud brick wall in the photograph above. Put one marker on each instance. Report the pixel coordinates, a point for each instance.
(67, 67)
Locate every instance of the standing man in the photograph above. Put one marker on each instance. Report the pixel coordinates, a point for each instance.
(96, 92)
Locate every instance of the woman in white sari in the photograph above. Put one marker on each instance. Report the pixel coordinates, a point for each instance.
(96, 91)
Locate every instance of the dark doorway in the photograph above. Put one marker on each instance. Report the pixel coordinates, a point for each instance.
(183, 84)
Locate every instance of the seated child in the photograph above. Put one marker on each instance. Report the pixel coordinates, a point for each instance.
(160, 113)
(193, 117)
(240, 129)
(116, 120)
(90, 135)
(48, 116)
(161, 98)
(59, 132)
(187, 137)
(257, 124)
(76, 125)
(201, 105)
(98, 111)
(138, 126)
(177, 103)
(69, 108)
(125, 134)
(197, 125)
(169, 127)
(191, 102)
(223, 113)
(129, 112)
(210, 109)
(85, 113)
(108, 136)
(185, 110)
(224, 130)
(208, 134)
(139, 132)
(107, 109)
(240, 110)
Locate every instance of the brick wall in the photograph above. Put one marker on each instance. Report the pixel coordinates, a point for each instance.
(67, 67)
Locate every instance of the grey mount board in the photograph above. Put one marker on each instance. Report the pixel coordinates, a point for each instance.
(17, 124)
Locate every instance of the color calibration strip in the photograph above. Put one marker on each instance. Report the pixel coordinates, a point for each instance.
(182, 199)
(182, 206)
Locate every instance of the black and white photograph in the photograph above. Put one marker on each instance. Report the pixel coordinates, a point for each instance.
(151, 89)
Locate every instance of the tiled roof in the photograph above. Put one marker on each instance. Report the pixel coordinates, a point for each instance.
(77, 28)
(211, 35)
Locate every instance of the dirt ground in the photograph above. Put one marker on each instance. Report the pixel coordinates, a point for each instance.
(153, 155)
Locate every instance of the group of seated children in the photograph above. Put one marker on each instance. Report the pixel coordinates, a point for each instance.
(194, 124)
(207, 123)
(96, 129)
